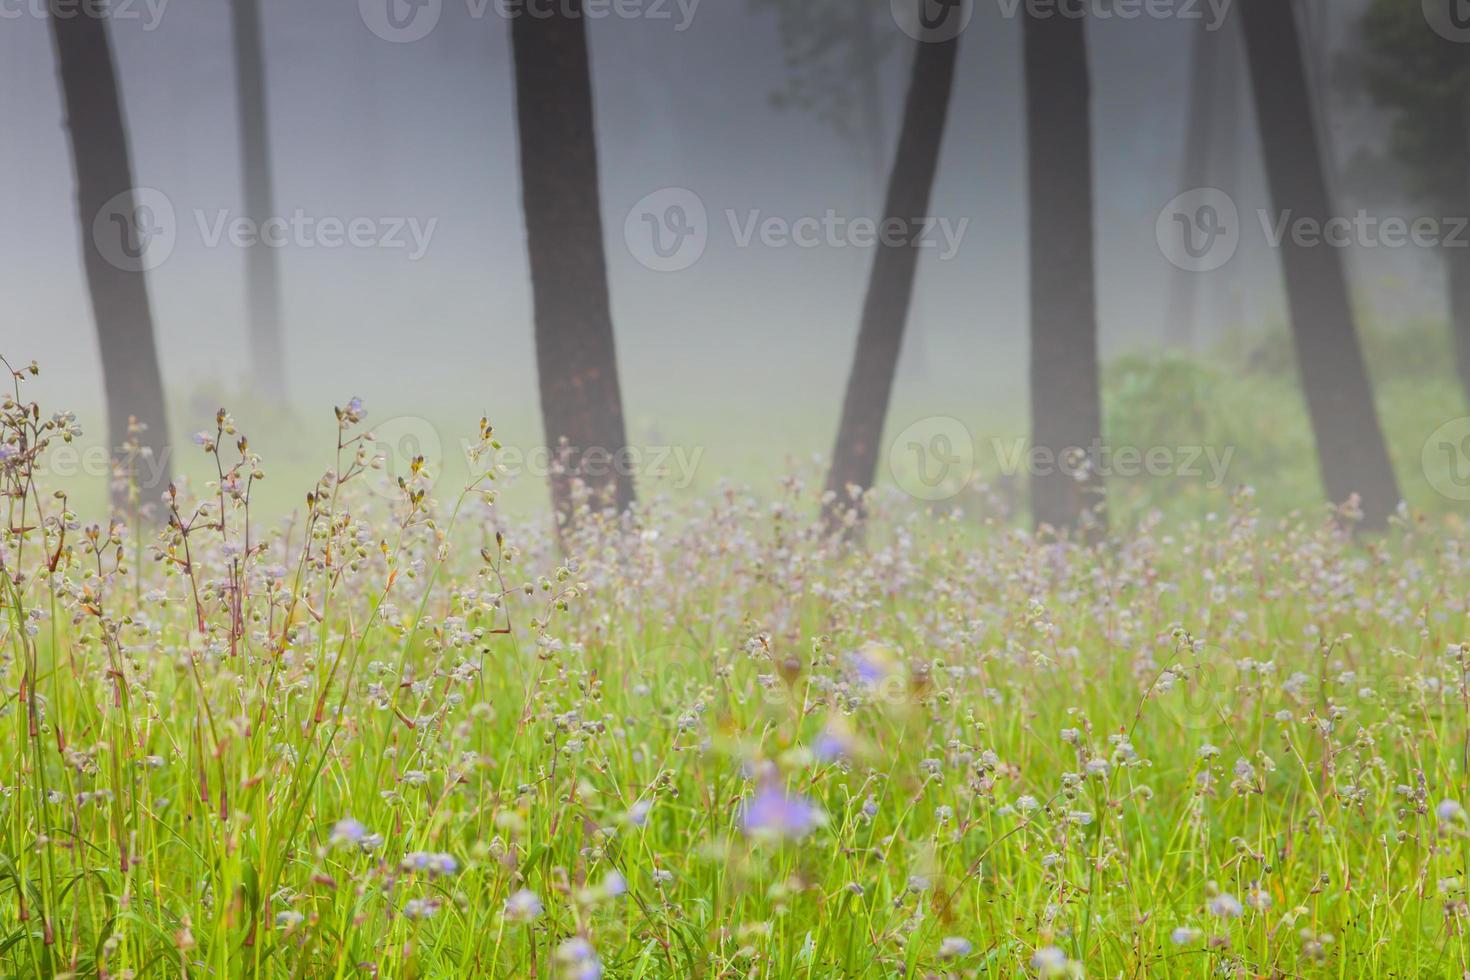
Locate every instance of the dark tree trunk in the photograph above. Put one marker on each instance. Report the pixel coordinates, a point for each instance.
(1066, 401)
(891, 281)
(119, 292)
(1350, 448)
(262, 270)
(576, 357)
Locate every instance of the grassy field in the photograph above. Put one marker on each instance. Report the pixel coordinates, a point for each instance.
(403, 738)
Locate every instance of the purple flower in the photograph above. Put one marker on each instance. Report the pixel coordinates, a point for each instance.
(835, 742)
(348, 831)
(523, 906)
(1449, 810)
(954, 946)
(580, 959)
(774, 813)
(614, 885)
(434, 864)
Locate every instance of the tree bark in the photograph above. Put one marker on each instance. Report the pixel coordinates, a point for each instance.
(1352, 455)
(262, 268)
(119, 296)
(891, 280)
(576, 357)
(1066, 400)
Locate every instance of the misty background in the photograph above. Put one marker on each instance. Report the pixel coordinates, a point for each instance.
(746, 352)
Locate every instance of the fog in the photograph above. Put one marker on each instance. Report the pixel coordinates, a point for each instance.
(429, 313)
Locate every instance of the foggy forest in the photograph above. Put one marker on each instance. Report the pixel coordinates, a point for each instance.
(735, 488)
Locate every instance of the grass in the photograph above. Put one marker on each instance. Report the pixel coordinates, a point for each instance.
(406, 738)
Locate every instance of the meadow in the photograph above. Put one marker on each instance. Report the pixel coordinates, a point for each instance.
(397, 734)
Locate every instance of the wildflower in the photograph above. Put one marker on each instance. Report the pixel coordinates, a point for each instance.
(773, 813)
(835, 743)
(1050, 961)
(523, 906)
(1225, 906)
(348, 831)
(1449, 810)
(289, 920)
(662, 877)
(1185, 936)
(579, 959)
(1257, 898)
(434, 864)
(420, 908)
(614, 885)
(638, 813)
(954, 946)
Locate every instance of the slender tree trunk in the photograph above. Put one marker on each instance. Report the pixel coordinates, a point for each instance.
(1457, 275)
(891, 281)
(1350, 448)
(262, 269)
(1066, 401)
(1199, 143)
(119, 290)
(865, 67)
(575, 354)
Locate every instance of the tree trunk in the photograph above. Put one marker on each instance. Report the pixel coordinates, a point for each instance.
(891, 281)
(1351, 452)
(1457, 274)
(119, 290)
(262, 269)
(865, 66)
(576, 357)
(1066, 401)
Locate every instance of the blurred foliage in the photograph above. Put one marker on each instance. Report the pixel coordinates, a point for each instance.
(1243, 398)
(1423, 80)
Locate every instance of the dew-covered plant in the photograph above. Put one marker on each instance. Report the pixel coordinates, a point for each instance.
(393, 736)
